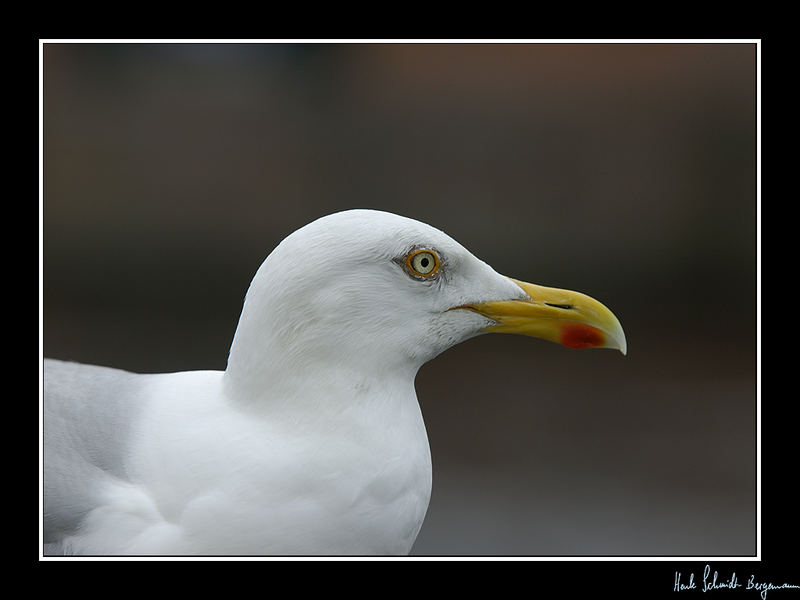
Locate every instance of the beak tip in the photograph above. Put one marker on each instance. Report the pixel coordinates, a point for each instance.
(622, 344)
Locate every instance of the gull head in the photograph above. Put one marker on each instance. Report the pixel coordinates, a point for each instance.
(369, 289)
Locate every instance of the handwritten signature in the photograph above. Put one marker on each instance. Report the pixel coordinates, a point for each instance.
(715, 582)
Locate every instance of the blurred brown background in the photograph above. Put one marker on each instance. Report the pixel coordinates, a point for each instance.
(626, 171)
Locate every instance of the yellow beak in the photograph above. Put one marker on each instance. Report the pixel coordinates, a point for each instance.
(569, 318)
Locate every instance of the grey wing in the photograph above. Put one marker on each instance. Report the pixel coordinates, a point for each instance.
(88, 418)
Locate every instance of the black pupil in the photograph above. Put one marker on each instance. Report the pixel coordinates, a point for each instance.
(424, 263)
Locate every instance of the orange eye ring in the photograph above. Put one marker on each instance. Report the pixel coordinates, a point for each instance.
(423, 263)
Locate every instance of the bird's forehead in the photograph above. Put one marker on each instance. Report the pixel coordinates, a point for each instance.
(381, 233)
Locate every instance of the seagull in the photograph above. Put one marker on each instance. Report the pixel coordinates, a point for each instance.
(311, 441)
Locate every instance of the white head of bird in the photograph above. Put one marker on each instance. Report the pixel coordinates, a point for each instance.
(369, 291)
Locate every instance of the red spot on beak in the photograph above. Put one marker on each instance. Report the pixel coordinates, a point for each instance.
(576, 335)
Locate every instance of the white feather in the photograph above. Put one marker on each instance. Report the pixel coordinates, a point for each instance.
(310, 442)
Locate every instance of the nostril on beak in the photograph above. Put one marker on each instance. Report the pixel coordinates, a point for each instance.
(564, 306)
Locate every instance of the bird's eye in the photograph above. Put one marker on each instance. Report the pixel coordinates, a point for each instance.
(423, 263)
